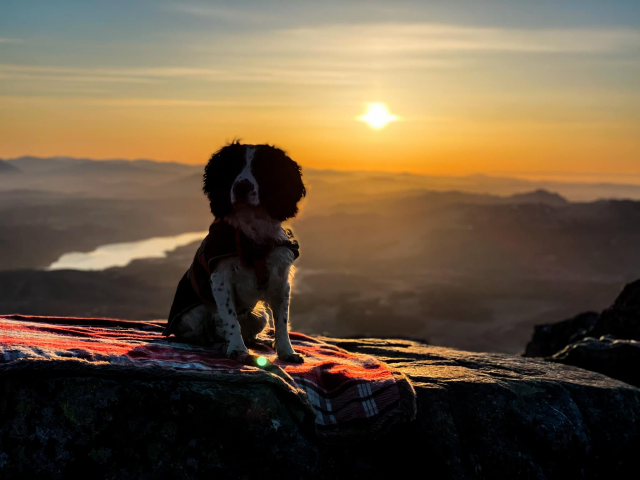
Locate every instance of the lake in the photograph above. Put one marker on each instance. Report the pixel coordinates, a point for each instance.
(121, 254)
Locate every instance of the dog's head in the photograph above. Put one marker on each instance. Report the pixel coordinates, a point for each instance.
(253, 175)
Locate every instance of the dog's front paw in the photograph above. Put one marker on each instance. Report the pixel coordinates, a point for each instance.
(291, 357)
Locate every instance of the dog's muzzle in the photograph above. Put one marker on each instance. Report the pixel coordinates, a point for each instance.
(243, 191)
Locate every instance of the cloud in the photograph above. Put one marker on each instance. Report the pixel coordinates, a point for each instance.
(169, 102)
(71, 78)
(146, 102)
(11, 40)
(99, 75)
(140, 72)
(404, 36)
(415, 38)
(222, 13)
(246, 73)
(339, 54)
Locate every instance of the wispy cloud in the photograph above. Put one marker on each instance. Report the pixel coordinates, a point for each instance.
(338, 54)
(140, 72)
(397, 38)
(222, 13)
(286, 74)
(411, 37)
(144, 102)
(99, 75)
(71, 78)
(11, 40)
(169, 102)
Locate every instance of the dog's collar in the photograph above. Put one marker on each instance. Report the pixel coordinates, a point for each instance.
(224, 241)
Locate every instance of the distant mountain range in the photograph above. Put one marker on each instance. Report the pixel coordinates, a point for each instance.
(95, 178)
(147, 178)
(70, 165)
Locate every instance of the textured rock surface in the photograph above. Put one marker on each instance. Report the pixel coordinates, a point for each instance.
(616, 358)
(496, 416)
(480, 416)
(622, 319)
(606, 343)
(552, 337)
(63, 427)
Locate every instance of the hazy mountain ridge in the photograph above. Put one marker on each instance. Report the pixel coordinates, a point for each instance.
(31, 164)
(93, 178)
(7, 168)
(137, 178)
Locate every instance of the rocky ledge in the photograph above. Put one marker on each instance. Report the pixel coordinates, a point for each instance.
(608, 342)
(480, 416)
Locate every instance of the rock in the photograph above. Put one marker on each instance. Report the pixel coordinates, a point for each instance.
(149, 428)
(618, 359)
(606, 343)
(480, 416)
(553, 337)
(488, 416)
(622, 319)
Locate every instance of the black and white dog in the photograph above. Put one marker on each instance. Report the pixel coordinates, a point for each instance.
(245, 263)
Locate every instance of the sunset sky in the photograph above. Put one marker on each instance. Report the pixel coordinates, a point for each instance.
(535, 88)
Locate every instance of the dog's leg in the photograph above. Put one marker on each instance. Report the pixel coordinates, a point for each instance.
(230, 328)
(252, 324)
(196, 326)
(280, 306)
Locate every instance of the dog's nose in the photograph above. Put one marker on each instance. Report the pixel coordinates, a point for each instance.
(242, 189)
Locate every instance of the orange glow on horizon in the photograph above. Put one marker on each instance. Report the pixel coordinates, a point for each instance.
(487, 141)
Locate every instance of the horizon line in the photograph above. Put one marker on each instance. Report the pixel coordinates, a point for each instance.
(553, 177)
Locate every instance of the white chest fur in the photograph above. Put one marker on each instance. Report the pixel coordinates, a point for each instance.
(246, 291)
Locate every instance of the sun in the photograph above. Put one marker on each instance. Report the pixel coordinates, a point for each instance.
(377, 116)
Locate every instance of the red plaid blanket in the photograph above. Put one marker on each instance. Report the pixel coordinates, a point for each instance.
(349, 393)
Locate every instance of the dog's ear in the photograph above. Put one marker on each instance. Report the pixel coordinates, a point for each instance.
(223, 168)
(280, 181)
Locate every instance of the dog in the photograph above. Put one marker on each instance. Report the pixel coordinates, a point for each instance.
(243, 269)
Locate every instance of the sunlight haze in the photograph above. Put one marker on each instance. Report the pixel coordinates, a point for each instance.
(377, 116)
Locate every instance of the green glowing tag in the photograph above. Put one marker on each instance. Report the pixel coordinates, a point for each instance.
(262, 361)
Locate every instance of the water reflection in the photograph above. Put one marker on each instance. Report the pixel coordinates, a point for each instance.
(121, 254)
